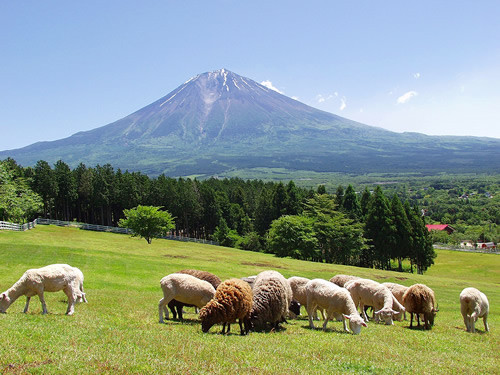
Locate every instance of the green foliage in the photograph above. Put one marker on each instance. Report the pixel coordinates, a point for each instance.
(224, 235)
(148, 222)
(18, 203)
(293, 236)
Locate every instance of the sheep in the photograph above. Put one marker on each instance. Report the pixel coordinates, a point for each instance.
(397, 291)
(250, 280)
(232, 300)
(52, 278)
(474, 305)
(298, 284)
(420, 299)
(186, 289)
(271, 298)
(341, 280)
(333, 299)
(369, 292)
(176, 306)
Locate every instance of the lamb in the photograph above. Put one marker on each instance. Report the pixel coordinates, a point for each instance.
(271, 298)
(474, 305)
(334, 300)
(232, 300)
(298, 284)
(371, 293)
(341, 280)
(52, 278)
(186, 289)
(176, 306)
(420, 299)
(397, 291)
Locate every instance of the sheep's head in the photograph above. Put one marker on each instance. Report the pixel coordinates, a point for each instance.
(386, 314)
(294, 309)
(431, 315)
(4, 303)
(355, 323)
(208, 317)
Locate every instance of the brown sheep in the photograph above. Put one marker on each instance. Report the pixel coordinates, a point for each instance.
(420, 299)
(232, 300)
(176, 306)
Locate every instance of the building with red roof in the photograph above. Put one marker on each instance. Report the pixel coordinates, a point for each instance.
(445, 227)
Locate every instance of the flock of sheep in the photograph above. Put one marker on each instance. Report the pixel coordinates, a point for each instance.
(267, 298)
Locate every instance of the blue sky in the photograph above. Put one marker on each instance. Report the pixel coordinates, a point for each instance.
(429, 66)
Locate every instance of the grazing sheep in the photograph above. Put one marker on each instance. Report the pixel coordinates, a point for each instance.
(52, 278)
(341, 280)
(334, 300)
(298, 284)
(474, 305)
(186, 289)
(271, 298)
(420, 299)
(397, 291)
(232, 300)
(176, 306)
(371, 293)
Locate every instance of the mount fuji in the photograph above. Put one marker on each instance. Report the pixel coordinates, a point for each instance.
(219, 121)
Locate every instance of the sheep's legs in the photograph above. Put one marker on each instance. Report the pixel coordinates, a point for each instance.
(326, 321)
(42, 300)
(411, 320)
(162, 308)
(27, 304)
(486, 328)
(71, 300)
(310, 313)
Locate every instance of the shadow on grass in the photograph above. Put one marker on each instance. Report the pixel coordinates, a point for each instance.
(478, 331)
(320, 328)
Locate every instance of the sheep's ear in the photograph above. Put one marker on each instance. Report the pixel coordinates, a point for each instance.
(395, 312)
(3, 296)
(377, 312)
(346, 316)
(364, 324)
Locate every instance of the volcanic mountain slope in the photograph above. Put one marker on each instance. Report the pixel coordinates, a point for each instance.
(221, 121)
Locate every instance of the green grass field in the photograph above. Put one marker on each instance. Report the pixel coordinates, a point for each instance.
(118, 331)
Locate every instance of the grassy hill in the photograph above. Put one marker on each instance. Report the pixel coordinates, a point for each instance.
(118, 330)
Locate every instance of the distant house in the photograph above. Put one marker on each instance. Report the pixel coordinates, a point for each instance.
(486, 245)
(440, 227)
(467, 244)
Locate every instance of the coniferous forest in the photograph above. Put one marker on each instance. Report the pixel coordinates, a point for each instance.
(367, 228)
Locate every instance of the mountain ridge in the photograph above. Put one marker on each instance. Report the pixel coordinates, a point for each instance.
(219, 121)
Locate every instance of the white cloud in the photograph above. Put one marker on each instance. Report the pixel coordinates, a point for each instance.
(416, 75)
(342, 104)
(405, 97)
(269, 85)
(320, 98)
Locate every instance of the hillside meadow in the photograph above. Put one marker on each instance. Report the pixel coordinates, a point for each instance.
(118, 331)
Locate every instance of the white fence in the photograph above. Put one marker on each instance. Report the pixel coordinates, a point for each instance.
(5, 225)
(99, 228)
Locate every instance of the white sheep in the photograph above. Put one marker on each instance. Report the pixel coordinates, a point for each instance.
(341, 280)
(52, 278)
(298, 284)
(371, 293)
(186, 289)
(398, 291)
(474, 305)
(334, 300)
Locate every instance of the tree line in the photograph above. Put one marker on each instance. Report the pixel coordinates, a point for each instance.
(363, 229)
